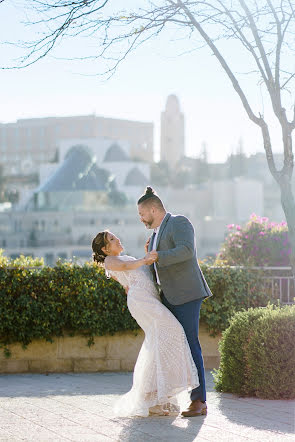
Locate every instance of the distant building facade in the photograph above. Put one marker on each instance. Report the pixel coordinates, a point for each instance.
(27, 143)
(172, 132)
(66, 232)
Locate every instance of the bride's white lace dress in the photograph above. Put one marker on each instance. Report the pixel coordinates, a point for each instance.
(164, 366)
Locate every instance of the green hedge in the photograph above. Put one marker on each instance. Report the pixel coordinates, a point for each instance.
(258, 354)
(43, 302)
(233, 289)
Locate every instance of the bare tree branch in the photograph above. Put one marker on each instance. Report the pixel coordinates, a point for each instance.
(223, 63)
(265, 30)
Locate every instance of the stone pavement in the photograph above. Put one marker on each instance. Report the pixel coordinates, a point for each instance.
(77, 407)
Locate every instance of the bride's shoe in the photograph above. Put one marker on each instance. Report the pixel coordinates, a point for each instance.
(158, 410)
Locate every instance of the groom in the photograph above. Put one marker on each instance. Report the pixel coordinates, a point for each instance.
(179, 278)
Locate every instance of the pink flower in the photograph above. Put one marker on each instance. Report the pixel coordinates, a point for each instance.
(238, 227)
(230, 226)
(261, 233)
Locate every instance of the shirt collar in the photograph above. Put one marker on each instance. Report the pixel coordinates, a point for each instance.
(156, 230)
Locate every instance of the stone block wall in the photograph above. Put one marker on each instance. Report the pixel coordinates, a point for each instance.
(71, 354)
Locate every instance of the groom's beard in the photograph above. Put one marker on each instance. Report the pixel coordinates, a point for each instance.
(148, 224)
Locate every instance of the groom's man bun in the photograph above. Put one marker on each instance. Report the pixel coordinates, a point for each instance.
(150, 198)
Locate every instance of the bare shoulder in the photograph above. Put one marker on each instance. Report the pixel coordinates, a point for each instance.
(117, 263)
(112, 262)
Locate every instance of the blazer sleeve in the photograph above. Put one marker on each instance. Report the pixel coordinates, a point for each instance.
(184, 244)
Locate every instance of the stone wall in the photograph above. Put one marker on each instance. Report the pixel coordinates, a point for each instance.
(71, 354)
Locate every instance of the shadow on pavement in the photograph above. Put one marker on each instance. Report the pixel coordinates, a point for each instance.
(166, 428)
(260, 414)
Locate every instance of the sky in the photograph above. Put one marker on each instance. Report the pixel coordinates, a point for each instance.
(137, 91)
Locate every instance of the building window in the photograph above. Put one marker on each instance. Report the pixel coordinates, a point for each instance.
(16, 138)
(49, 259)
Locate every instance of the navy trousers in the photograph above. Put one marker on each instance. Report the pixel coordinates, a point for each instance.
(188, 315)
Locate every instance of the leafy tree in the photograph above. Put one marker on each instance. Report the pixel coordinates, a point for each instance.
(263, 31)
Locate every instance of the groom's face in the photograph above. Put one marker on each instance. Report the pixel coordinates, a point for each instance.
(146, 215)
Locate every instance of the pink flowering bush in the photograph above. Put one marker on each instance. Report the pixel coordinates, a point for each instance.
(258, 243)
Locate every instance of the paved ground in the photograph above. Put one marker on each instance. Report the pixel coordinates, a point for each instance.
(77, 407)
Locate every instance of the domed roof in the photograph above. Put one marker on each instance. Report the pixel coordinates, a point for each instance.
(77, 172)
(95, 179)
(136, 178)
(115, 153)
(172, 103)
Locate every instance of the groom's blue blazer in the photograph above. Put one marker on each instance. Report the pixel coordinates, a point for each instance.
(180, 275)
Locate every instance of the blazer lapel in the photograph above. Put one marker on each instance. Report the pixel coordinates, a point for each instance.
(162, 228)
(151, 242)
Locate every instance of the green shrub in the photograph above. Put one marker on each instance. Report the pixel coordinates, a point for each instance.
(44, 302)
(21, 261)
(234, 289)
(258, 354)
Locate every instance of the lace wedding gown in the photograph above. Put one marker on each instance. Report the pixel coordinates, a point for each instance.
(164, 366)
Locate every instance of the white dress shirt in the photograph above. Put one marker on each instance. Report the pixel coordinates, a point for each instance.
(154, 248)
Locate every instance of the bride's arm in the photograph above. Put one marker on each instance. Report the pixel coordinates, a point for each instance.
(117, 264)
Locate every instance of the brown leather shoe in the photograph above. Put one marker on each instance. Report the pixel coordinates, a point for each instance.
(196, 408)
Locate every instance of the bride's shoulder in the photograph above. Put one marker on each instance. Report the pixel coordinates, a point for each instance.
(113, 259)
(127, 257)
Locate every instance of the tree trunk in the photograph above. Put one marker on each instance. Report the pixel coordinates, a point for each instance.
(288, 204)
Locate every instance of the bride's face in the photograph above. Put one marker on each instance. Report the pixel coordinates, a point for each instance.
(113, 246)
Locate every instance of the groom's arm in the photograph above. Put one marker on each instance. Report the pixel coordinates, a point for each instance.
(184, 241)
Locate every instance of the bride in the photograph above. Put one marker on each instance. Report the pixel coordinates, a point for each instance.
(164, 366)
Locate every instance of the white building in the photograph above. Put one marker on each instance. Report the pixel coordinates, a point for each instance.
(172, 132)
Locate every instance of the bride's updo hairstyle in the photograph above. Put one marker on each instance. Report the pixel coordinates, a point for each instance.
(98, 243)
(151, 198)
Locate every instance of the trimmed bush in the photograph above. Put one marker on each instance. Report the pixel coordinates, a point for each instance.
(44, 302)
(234, 289)
(258, 243)
(258, 354)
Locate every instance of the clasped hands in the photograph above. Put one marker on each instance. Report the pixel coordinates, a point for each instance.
(151, 257)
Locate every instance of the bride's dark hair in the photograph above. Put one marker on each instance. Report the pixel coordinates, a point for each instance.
(98, 243)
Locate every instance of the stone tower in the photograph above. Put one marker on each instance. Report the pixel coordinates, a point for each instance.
(172, 132)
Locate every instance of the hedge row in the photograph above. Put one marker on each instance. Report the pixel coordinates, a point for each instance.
(42, 303)
(258, 354)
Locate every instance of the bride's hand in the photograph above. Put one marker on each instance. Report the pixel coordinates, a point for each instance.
(146, 246)
(151, 257)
